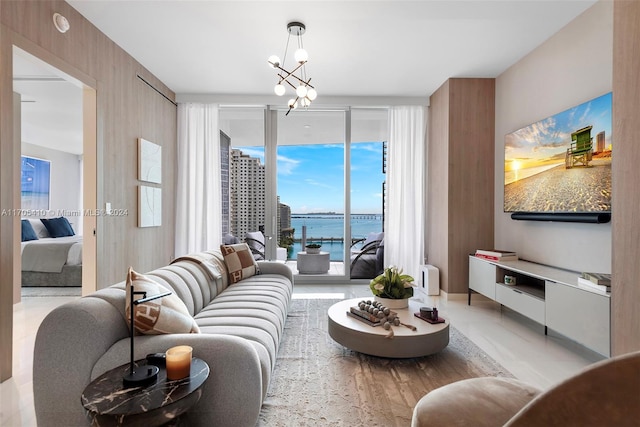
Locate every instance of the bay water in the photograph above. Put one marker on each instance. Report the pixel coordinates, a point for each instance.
(321, 227)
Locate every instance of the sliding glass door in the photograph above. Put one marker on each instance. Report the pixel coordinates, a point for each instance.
(244, 177)
(311, 187)
(367, 173)
(312, 177)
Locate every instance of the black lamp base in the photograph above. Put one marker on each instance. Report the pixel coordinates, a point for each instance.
(144, 375)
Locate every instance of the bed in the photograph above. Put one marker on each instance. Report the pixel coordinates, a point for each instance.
(47, 260)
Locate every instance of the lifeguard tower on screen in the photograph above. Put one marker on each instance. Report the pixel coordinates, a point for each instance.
(581, 148)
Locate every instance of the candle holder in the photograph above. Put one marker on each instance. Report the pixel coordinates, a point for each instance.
(149, 373)
(178, 362)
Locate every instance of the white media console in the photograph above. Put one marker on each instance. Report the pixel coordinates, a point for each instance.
(550, 296)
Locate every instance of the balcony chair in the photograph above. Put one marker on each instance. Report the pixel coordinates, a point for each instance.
(256, 242)
(368, 261)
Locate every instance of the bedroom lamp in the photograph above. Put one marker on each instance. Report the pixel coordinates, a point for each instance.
(148, 373)
(305, 93)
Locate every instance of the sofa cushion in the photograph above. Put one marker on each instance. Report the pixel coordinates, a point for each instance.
(164, 315)
(239, 261)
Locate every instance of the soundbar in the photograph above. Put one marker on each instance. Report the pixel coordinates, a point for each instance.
(588, 217)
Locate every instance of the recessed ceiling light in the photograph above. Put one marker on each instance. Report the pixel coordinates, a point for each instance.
(61, 23)
(307, 126)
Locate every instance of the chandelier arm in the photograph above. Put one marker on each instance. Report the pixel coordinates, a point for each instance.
(284, 79)
(289, 73)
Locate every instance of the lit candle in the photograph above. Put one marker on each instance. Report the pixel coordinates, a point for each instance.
(178, 362)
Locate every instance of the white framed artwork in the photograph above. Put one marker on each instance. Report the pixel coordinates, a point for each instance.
(149, 206)
(149, 161)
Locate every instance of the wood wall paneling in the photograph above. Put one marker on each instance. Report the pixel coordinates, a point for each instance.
(438, 183)
(461, 175)
(127, 109)
(625, 297)
(471, 173)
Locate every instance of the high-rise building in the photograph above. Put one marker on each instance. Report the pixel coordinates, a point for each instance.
(247, 194)
(225, 163)
(600, 142)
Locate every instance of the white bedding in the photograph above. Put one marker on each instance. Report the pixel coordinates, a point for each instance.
(74, 256)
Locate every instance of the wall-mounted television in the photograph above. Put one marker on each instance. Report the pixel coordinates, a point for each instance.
(560, 168)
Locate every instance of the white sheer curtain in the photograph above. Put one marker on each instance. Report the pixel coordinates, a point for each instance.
(406, 162)
(198, 204)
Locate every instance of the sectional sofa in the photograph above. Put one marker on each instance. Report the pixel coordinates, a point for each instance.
(240, 328)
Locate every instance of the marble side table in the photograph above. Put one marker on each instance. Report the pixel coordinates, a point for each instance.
(108, 403)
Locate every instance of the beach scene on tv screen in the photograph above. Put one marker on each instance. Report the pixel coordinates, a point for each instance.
(562, 163)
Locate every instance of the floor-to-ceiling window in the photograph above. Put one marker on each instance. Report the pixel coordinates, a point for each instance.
(301, 178)
(367, 168)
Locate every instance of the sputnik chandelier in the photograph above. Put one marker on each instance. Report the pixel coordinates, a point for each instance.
(305, 92)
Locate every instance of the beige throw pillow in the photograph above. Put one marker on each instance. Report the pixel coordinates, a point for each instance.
(166, 315)
(239, 261)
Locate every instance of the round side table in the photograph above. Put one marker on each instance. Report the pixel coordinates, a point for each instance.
(313, 263)
(108, 403)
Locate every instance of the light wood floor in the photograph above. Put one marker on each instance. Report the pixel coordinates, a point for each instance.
(513, 341)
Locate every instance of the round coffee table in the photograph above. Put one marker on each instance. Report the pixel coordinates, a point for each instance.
(358, 336)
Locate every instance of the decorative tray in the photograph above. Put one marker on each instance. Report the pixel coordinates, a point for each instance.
(440, 319)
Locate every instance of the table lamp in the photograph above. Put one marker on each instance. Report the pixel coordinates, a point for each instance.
(147, 373)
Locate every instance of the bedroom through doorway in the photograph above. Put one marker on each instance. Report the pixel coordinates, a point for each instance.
(55, 129)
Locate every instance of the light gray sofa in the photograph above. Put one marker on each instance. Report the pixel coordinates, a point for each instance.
(241, 327)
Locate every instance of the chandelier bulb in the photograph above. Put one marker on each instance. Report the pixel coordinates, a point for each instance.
(301, 56)
(301, 91)
(279, 89)
(274, 61)
(312, 94)
(305, 102)
(292, 103)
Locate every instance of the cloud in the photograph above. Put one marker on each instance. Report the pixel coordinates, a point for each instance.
(287, 165)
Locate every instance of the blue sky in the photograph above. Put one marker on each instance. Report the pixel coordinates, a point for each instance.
(311, 177)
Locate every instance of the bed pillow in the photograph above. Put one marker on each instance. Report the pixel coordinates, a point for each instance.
(39, 228)
(166, 315)
(239, 262)
(27, 231)
(58, 227)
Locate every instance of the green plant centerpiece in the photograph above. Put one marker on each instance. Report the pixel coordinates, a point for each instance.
(392, 284)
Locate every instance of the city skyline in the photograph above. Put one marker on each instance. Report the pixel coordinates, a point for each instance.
(311, 177)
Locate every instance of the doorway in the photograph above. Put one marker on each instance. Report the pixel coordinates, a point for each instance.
(35, 71)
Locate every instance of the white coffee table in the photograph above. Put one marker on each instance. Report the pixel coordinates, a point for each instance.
(313, 263)
(352, 333)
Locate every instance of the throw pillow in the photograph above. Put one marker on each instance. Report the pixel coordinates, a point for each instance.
(39, 228)
(58, 227)
(27, 231)
(239, 262)
(166, 315)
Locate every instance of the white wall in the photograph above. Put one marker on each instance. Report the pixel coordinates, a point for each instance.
(66, 185)
(573, 66)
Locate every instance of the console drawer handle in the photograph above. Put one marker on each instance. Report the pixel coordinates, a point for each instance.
(515, 290)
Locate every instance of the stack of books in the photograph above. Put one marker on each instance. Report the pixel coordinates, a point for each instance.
(599, 281)
(496, 255)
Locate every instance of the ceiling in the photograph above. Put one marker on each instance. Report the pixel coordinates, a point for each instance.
(51, 104)
(357, 48)
(364, 52)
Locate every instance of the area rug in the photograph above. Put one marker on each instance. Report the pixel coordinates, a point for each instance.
(318, 382)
